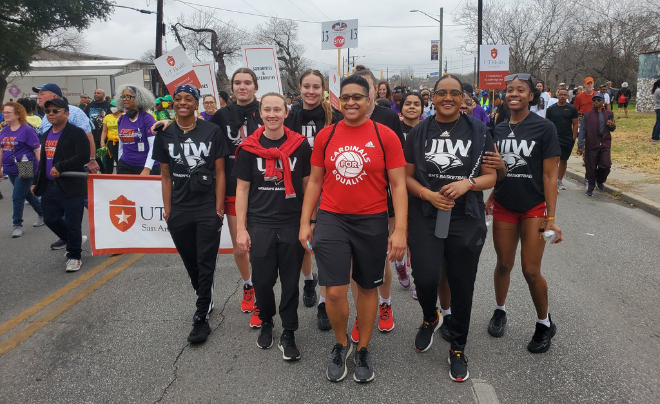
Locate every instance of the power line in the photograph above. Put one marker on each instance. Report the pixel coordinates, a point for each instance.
(301, 10)
(319, 10)
(254, 8)
(117, 5)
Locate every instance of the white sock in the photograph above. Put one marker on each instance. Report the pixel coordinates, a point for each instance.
(386, 301)
(502, 307)
(248, 282)
(321, 299)
(444, 312)
(308, 277)
(545, 322)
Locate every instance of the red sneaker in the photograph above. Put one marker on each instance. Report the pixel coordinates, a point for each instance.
(385, 319)
(255, 321)
(355, 334)
(247, 304)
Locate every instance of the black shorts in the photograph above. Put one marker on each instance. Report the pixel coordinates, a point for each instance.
(566, 151)
(622, 105)
(341, 239)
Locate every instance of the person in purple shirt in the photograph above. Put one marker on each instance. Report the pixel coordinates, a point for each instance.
(478, 112)
(18, 142)
(136, 140)
(397, 94)
(209, 107)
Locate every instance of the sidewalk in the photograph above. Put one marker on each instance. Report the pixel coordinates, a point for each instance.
(636, 188)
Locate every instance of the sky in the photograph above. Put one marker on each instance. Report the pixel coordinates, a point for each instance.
(128, 33)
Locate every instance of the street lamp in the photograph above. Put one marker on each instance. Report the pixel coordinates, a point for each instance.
(440, 43)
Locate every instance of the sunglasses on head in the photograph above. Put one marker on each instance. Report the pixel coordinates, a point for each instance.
(398, 90)
(53, 110)
(521, 76)
(354, 97)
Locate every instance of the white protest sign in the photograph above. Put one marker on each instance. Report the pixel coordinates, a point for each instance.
(205, 72)
(339, 34)
(126, 216)
(262, 59)
(493, 66)
(176, 69)
(335, 85)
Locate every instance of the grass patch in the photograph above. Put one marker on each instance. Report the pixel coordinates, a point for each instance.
(631, 143)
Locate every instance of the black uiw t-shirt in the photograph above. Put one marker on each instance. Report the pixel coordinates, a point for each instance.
(448, 156)
(533, 140)
(201, 147)
(267, 202)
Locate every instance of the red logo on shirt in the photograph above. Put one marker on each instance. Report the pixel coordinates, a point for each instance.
(170, 61)
(349, 164)
(122, 213)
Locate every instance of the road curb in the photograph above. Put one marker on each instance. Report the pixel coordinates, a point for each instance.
(628, 197)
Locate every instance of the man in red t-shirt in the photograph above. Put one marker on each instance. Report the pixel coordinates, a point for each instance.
(583, 100)
(353, 163)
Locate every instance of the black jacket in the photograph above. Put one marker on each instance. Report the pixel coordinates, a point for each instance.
(71, 154)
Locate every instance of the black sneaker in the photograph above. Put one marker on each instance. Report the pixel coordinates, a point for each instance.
(288, 347)
(589, 193)
(364, 370)
(497, 323)
(309, 291)
(200, 331)
(265, 338)
(322, 320)
(444, 328)
(424, 338)
(58, 245)
(337, 370)
(600, 186)
(542, 337)
(458, 362)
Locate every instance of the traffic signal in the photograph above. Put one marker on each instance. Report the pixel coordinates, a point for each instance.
(411, 77)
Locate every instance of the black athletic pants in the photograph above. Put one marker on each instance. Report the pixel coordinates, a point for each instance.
(276, 251)
(196, 235)
(597, 163)
(461, 250)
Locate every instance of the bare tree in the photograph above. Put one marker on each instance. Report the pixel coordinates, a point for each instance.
(148, 56)
(203, 35)
(284, 35)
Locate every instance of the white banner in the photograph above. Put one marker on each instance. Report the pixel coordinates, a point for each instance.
(126, 216)
(335, 84)
(493, 66)
(262, 59)
(339, 34)
(175, 68)
(205, 72)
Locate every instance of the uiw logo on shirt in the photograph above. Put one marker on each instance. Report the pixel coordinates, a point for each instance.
(261, 166)
(237, 136)
(309, 131)
(513, 150)
(192, 151)
(443, 153)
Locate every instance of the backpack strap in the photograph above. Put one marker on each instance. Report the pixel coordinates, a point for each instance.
(325, 147)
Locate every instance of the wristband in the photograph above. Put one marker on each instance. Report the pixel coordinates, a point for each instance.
(312, 221)
(420, 194)
(473, 183)
(549, 218)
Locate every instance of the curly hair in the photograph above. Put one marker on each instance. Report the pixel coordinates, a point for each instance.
(19, 111)
(144, 100)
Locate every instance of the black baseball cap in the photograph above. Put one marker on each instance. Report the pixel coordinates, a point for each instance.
(53, 88)
(468, 88)
(58, 102)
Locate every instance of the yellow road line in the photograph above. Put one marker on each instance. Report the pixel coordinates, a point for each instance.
(66, 305)
(50, 299)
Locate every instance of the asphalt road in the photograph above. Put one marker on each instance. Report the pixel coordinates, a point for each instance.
(124, 339)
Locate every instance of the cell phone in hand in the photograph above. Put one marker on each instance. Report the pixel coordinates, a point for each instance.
(158, 127)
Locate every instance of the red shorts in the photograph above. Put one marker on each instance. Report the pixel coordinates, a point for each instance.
(500, 213)
(230, 205)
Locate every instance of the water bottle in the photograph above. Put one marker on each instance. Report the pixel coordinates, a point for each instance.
(442, 223)
(549, 236)
(24, 159)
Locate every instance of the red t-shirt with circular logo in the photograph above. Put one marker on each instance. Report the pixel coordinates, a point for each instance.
(354, 182)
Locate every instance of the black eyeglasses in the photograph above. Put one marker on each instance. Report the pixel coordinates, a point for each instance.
(453, 93)
(521, 76)
(53, 110)
(127, 97)
(355, 97)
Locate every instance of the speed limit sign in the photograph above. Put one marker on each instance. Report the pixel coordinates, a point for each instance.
(339, 34)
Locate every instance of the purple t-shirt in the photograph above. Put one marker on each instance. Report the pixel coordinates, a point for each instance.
(135, 138)
(480, 114)
(205, 116)
(23, 142)
(50, 145)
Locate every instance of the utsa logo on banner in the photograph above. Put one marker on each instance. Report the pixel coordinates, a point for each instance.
(122, 213)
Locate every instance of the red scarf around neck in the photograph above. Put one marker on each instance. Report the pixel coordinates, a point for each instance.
(290, 145)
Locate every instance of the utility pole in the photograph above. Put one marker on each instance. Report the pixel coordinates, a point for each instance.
(440, 48)
(159, 42)
(445, 65)
(480, 14)
(474, 74)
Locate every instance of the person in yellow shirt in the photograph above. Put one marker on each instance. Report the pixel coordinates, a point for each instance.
(110, 136)
(30, 106)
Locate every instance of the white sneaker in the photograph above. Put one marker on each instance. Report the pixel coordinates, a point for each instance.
(39, 222)
(561, 186)
(18, 232)
(73, 265)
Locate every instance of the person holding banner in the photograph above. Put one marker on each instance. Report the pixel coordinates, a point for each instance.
(237, 121)
(354, 163)
(445, 174)
(272, 169)
(136, 139)
(191, 153)
(314, 115)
